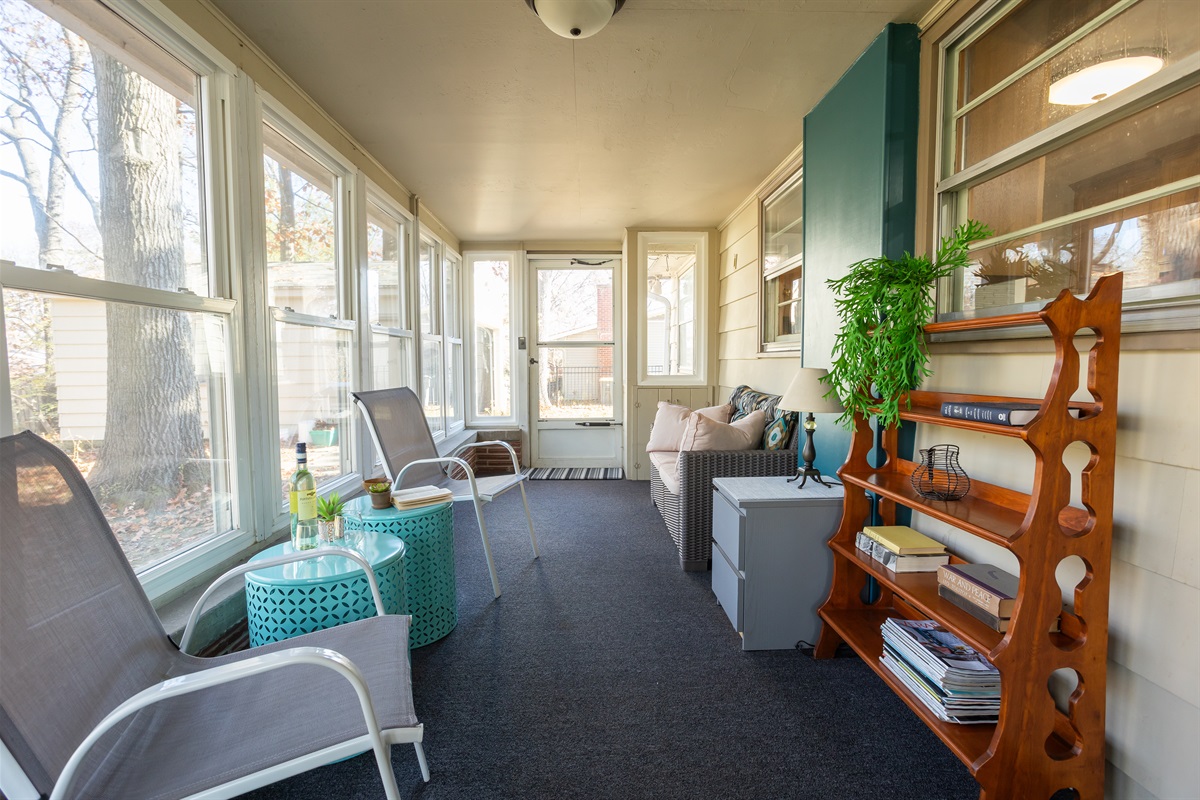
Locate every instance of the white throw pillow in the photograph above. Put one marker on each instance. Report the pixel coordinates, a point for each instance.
(669, 425)
(706, 434)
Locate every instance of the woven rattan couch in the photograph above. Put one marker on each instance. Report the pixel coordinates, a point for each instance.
(688, 514)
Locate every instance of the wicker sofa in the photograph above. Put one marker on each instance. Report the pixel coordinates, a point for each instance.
(688, 513)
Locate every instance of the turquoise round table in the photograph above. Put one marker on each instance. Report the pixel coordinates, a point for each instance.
(428, 536)
(304, 596)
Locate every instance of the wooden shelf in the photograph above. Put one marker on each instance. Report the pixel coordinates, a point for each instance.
(920, 590)
(996, 522)
(926, 407)
(860, 630)
(1036, 749)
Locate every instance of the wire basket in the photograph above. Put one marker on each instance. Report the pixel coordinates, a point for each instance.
(939, 477)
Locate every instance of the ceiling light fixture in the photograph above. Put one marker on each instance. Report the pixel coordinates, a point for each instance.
(1098, 81)
(575, 19)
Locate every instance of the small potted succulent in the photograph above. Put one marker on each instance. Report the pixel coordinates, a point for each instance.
(380, 492)
(331, 527)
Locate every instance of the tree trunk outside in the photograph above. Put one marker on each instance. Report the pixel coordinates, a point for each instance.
(153, 438)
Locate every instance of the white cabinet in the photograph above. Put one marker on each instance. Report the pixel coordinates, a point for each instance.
(771, 566)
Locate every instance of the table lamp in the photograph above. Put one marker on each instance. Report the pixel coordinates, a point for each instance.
(806, 394)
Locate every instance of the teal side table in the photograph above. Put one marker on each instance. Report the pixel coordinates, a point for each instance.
(428, 536)
(328, 590)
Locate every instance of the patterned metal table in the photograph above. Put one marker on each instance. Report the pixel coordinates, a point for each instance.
(305, 596)
(428, 536)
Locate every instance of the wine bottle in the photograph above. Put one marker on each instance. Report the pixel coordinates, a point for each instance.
(302, 501)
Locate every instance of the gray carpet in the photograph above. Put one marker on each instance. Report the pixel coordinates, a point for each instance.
(606, 672)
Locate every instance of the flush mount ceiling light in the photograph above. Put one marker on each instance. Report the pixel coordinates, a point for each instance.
(1098, 81)
(575, 19)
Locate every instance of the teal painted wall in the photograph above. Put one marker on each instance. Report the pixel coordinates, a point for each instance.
(860, 154)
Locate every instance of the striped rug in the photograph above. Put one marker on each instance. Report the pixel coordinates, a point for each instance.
(575, 473)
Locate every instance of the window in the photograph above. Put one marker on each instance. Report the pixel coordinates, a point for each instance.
(117, 325)
(305, 269)
(783, 265)
(387, 312)
(673, 267)
(452, 326)
(491, 277)
(1076, 182)
(432, 364)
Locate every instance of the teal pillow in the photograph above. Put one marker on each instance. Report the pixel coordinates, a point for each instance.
(777, 432)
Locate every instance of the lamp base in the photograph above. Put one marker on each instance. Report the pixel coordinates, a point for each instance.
(806, 472)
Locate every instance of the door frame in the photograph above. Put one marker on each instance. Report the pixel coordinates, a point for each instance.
(531, 392)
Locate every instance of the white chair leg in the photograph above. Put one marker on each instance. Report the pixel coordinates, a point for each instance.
(421, 760)
(529, 519)
(384, 760)
(487, 548)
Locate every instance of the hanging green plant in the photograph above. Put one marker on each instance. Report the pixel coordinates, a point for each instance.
(883, 304)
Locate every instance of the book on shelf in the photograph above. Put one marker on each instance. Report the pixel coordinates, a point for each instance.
(999, 624)
(418, 496)
(948, 676)
(903, 540)
(918, 563)
(865, 543)
(1013, 414)
(985, 585)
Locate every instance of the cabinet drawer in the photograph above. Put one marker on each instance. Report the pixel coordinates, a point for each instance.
(729, 587)
(729, 528)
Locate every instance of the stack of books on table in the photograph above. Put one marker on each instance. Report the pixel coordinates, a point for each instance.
(986, 592)
(950, 678)
(902, 549)
(418, 496)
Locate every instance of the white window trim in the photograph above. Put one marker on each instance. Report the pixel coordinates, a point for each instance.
(1154, 308)
(789, 347)
(454, 376)
(513, 258)
(701, 320)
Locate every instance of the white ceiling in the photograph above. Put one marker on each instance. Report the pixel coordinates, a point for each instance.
(670, 116)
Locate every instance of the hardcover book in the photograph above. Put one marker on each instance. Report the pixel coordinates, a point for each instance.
(991, 620)
(985, 585)
(922, 563)
(903, 540)
(1014, 414)
(418, 496)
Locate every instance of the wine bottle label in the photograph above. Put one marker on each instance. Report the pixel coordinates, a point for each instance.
(303, 504)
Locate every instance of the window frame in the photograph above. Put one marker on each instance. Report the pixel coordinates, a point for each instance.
(404, 224)
(1162, 307)
(514, 259)
(700, 299)
(793, 344)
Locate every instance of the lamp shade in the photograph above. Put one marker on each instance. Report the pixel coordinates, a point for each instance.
(575, 19)
(807, 394)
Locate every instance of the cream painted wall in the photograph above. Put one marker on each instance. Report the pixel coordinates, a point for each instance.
(738, 359)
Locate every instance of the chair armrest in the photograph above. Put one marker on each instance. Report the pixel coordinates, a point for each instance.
(511, 452)
(443, 460)
(241, 569)
(226, 673)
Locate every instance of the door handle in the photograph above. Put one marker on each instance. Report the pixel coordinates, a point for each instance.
(533, 360)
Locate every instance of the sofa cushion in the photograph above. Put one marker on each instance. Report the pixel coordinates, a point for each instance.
(670, 423)
(744, 400)
(667, 464)
(707, 434)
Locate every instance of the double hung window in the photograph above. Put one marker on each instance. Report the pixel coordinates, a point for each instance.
(783, 266)
(117, 324)
(387, 311)
(1072, 130)
(674, 266)
(491, 277)
(306, 272)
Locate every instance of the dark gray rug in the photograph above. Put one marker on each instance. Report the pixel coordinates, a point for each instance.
(606, 672)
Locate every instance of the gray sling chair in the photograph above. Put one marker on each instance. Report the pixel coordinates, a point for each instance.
(95, 701)
(402, 439)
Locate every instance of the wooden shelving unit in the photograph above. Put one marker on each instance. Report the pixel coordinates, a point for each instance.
(1035, 749)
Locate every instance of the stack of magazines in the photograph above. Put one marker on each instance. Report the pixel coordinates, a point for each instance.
(954, 681)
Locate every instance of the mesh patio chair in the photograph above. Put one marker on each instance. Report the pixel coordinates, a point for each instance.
(96, 702)
(402, 439)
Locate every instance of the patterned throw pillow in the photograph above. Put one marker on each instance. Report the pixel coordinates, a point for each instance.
(744, 400)
(778, 432)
